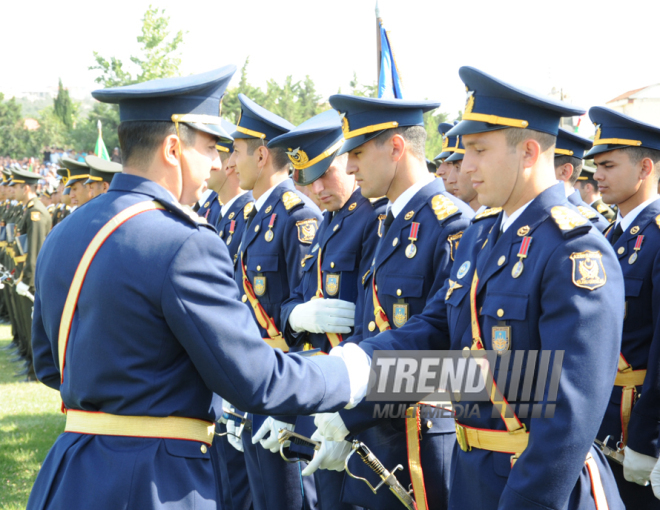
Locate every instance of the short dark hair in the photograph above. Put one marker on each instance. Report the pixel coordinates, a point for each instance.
(281, 160)
(636, 154)
(516, 135)
(415, 137)
(577, 166)
(139, 139)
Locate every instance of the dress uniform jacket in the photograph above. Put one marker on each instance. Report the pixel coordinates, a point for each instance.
(557, 303)
(403, 287)
(639, 347)
(238, 212)
(599, 221)
(158, 329)
(604, 209)
(210, 210)
(36, 223)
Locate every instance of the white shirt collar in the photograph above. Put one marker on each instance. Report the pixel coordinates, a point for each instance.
(627, 220)
(507, 221)
(405, 197)
(258, 204)
(225, 208)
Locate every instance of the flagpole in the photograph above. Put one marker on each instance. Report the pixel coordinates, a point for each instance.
(379, 21)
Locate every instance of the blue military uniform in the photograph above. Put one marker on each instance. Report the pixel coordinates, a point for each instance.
(232, 225)
(587, 175)
(565, 294)
(210, 210)
(268, 270)
(158, 328)
(412, 261)
(632, 414)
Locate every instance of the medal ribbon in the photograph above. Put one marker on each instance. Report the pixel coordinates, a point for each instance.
(232, 226)
(272, 220)
(524, 247)
(333, 338)
(414, 230)
(638, 243)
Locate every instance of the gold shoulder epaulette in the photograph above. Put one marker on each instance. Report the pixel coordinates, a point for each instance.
(247, 209)
(587, 212)
(290, 200)
(443, 207)
(566, 219)
(492, 211)
(657, 220)
(602, 208)
(374, 200)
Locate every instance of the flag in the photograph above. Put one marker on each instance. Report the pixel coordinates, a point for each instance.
(100, 149)
(389, 80)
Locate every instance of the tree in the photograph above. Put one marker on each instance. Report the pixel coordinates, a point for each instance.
(363, 90)
(433, 139)
(84, 136)
(64, 107)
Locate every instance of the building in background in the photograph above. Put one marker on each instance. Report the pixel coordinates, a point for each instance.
(642, 104)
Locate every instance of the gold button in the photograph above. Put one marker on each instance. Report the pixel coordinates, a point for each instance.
(258, 268)
(231, 216)
(395, 241)
(336, 227)
(332, 264)
(256, 229)
(352, 206)
(500, 312)
(398, 292)
(429, 424)
(621, 250)
(268, 209)
(501, 260)
(244, 298)
(372, 326)
(409, 215)
(203, 448)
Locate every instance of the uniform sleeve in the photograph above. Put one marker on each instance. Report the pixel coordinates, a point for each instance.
(45, 362)
(644, 425)
(586, 325)
(201, 306)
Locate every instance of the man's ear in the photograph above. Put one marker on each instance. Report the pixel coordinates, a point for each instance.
(398, 145)
(170, 151)
(564, 172)
(647, 168)
(531, 152)
(262, 154)
(105, 186)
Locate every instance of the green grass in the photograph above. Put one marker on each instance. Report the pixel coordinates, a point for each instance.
(30, 421)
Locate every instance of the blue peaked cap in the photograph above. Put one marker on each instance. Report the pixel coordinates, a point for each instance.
(493, 104)
(257, 122)
(570, 144)
(312, 146)
(225, 145)
(458, 152)
(193, 100)
(364, 118)
(617, 131)
(449, 143)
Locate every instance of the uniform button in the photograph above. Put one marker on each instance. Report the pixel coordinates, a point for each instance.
(376, 287)
(336, 227)
(332, 264)
(203, 448)
(621, 250)
(258, 268)
(395, 241)
(500, 312)
(501, 260)
(372, 326)
(256, 229)
(244, 298)
(398, 292)
(429, 424)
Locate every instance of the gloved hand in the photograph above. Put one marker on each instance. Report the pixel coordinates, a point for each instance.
(332, 455)
(323, 316)
(273, 426)
(655, 479)
(330, 426)
(637, 467)
(22, 289)
(358, 364)
(236, 442)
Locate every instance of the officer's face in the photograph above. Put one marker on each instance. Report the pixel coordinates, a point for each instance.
(19, 192)
(219, 175)
(247, 167)
(333, 189)
(618, 178)
(97, 188)
(442, 170)
(492, 167)
(372, 167)
(197, 160)
(79, 193)
(460, 183)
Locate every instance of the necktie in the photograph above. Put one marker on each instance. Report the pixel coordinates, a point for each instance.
(251, 216)
(388, 221)
(616, 234)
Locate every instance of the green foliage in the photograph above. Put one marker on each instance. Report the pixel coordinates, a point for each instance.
(64, 107)
(15, 140)
(433, 139)
(363, 90)
(84, 136)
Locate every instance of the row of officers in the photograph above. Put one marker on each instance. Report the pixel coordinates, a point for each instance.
(154, 323)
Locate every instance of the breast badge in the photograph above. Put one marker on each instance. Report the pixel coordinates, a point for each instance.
(400, 314)
(501, 339)
(588, 270)
(259, 285)
(306, 230)
(331, 284)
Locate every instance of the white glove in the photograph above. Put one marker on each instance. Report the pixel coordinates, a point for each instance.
(637, 467)
(655, 479)
(22, 289)
(273, 426)
(236, 442)
(358, 364)
(330, 426)
(332, 455)
(323, 316)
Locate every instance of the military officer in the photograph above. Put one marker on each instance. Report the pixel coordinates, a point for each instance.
(100, 176)
(459, 182)
(569, 152)
(588, 188)
(522, 283)
(321, 311)
(153, 324)
(626, 153)
(62, 210)
(448, 147)
(77, 173)
(279, 232)
(420, 235)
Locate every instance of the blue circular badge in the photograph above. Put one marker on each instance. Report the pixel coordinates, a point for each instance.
(462, 271)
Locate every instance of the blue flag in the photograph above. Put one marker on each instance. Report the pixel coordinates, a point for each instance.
(389, 82)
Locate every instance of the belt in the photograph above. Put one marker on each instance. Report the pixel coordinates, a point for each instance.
(630, 378)
(501, 441)
(169, 427)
